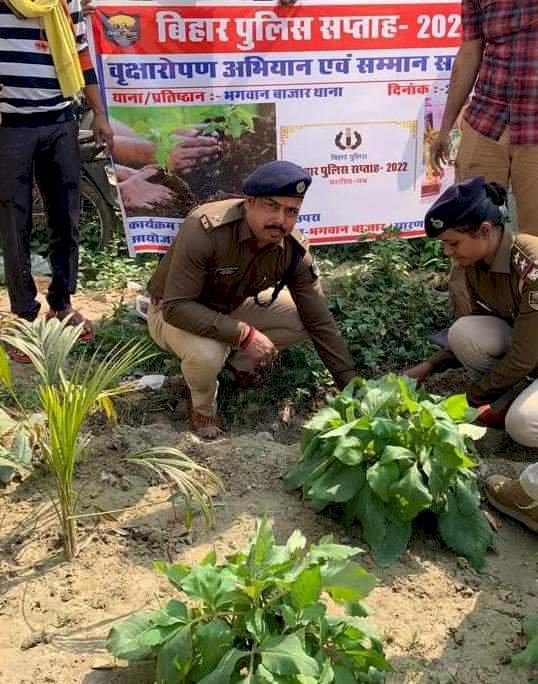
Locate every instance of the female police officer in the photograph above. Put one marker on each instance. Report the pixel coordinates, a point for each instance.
(498, 342)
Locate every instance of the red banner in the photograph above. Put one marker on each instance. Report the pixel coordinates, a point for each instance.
(224, 30)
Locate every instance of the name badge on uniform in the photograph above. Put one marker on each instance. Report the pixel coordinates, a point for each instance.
(226, 271)
(533, 300)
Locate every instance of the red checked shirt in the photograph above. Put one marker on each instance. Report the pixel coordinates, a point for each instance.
(506, 92)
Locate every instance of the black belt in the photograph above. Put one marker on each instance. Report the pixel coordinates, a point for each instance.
(35, 119)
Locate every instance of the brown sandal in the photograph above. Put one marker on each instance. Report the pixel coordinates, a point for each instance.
(17, 355)
(87, 333)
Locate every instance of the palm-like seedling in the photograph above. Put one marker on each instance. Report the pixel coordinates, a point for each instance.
(46, 343)
(67, 402)
(188, 477)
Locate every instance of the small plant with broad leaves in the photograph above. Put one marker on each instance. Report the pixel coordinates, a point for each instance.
(385, 451)
(165, 137)
(259, 618)
(232, 121)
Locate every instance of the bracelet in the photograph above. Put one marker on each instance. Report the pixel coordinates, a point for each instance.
(248, 339)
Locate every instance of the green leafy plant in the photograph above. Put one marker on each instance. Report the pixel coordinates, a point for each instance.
(101, 269)
(165, 138)
(529, 656)
(259, 618)
(15, 446)
(385, 451)
(384, 301)
(230, 120)
(67, 400)
(233, 121)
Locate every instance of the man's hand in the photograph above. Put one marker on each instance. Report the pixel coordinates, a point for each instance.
(137, 191)
(419, 372)
(439, 150)
(194, 149)
(102, 132)
(260, 349)
(87, 7)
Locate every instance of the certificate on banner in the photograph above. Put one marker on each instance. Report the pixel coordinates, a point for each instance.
(200, 93)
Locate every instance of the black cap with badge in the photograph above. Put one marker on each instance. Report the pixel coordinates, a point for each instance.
(279, 178)
(455, 203)
(466, 204)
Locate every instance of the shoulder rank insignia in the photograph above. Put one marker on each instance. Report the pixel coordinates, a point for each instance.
(205, 222)
(533, 300)
(526, 268)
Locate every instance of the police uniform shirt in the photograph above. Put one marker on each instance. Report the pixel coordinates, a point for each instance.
(214, 264)
(508, 289)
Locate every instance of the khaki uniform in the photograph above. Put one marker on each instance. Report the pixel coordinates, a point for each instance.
(499, 161)
(203, 291)
(498, 343)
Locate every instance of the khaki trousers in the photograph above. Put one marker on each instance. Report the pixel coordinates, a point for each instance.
(510, 165)
(479, 343)
(202, 359)
(496, 160)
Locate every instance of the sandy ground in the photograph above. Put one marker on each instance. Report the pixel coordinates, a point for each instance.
(441, 621)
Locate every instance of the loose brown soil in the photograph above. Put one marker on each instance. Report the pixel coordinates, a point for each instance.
(224, 177)
(180, 206)
(219, 179)
(441, 621)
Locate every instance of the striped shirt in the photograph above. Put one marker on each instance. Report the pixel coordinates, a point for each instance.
(27, 71)
(506, 92)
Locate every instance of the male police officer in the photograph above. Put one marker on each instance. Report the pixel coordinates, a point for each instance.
(219, 290)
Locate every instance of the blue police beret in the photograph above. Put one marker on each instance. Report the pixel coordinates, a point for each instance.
(455, 206)
(277, 178)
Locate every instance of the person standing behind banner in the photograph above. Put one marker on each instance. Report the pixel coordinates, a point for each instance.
(499, 57)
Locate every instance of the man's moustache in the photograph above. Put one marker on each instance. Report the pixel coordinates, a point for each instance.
(279, 227)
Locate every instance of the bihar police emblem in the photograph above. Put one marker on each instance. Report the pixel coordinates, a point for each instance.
(122, 29)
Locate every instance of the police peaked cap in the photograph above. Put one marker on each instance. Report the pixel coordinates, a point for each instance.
(456, 207)
(280, 178)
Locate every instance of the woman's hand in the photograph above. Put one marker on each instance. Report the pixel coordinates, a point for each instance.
(419, 372)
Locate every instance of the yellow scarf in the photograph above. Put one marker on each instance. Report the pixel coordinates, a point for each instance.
(59, 30)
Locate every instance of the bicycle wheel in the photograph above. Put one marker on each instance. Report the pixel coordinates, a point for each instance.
(97, 219)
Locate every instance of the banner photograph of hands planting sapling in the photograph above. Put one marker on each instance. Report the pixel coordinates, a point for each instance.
(199, 94)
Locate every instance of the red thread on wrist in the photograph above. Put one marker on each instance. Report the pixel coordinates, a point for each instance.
(248, 339)
(243, 334)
